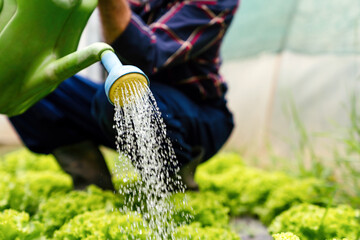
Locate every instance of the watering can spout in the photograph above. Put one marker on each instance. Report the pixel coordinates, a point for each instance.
(67, 66)
(123, 82)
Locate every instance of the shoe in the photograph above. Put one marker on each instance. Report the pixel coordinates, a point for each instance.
(85, 164)
(187, 171)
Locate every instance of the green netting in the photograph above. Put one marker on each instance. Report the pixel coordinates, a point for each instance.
(306, 26)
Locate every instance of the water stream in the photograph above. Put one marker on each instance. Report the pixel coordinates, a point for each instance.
(141, 137)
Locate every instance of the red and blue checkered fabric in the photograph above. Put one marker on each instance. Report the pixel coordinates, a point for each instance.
(178, 43)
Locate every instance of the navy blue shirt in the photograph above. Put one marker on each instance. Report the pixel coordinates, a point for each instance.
(178, 43)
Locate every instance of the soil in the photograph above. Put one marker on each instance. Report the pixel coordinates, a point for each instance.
(249, 228)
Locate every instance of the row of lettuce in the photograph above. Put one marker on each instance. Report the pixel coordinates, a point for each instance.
(283, 203)
(37, 202)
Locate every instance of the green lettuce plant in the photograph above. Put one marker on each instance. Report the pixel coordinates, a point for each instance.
(17, 225)
(101, 224)
(255, 187)
(73, 204)
(311, 222)
(31, 188)
(6, 181)
(285, 236)
(257, 192)
(28, 178)
(195, 231)
(243, 188)
(35, 184)
(205, 208)
(23, 160)
(221, 163)
(293, 192)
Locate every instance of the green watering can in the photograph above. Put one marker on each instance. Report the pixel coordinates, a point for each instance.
(38, 42)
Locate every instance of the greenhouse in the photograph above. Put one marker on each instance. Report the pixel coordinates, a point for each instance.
(189, 119)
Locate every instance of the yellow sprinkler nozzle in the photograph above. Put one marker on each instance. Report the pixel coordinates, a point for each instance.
(129, 82)
(122, 80)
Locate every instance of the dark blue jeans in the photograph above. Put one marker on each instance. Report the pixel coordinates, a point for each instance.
(78, 110)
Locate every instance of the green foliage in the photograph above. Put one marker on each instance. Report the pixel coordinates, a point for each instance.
(22, 160)
(285, 236)
(256, 185)
(195, 232)
(35, 184)
(223, 175)
(28, 179)
(5, 190)
(72, 204)
(253, 191)
(30, 188)
(17, 225)
(101, 224)
(311, 222)
(348, 163)
(36, 177)
(205, 208)
(244, 188)
(221, 163)
(293, 192)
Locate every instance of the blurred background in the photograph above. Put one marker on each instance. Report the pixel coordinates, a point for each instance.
(292, 67)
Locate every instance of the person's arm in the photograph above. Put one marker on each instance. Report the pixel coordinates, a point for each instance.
(186, 30)
(115, 15)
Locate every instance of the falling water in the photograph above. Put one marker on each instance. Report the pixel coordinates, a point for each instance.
(141, 137)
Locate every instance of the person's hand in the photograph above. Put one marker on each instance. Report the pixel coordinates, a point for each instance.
(115, 15)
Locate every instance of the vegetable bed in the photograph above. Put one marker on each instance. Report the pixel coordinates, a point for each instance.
(37, 201)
